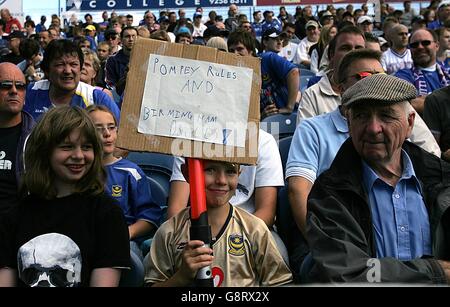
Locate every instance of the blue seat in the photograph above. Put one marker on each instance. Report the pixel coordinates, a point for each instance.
(153, 163)
(283, 146)
(304, 82)
(280, 125)
(306, 72)
(159, 192)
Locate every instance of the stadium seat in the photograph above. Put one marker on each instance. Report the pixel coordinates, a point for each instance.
(283, 146)
(280, 125)
(304, 82)
(160, 193)
(306, 72)
(152, 163)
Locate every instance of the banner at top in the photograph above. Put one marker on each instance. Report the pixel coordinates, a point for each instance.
(303, 2)
(90, 5)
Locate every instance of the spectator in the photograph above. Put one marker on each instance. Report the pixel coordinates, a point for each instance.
(425, 75)
(15, 125)
(259, 262)
(6, 16)
(116, 65)
(62, 65)
(394, 221)
(84, 233)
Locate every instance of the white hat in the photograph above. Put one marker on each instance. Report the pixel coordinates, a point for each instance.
(444, 4)
(364, 19)
(382, 41)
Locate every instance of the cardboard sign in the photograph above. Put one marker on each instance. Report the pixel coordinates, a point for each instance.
(191, 101)
(181, 95)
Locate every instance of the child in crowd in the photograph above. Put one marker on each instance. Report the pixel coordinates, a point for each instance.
(64, 232)
(128, 184)
(244, 251)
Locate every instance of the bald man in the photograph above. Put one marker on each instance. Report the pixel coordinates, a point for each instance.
(15, 125)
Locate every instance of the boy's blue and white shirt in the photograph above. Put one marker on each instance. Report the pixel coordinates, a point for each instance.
(37, 100)
(128, 184)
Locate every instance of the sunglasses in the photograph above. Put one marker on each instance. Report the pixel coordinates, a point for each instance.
(424, 43)
(7, 85)
(111, 37)
(364, 74)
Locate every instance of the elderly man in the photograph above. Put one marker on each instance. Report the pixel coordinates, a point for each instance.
(377, 213)
(317, 140)
(15, 125)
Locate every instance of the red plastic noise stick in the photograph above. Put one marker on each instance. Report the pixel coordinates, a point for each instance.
(200, 229)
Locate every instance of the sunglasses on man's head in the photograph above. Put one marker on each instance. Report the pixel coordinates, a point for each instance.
(364, 74)
(7, 85)
(424, 43)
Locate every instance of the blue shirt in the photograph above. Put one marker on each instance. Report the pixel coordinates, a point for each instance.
(275, 23)
(274, 71)
(315, 144)
(431, 78)
(37, 99)
(127, 184)
(399, 216)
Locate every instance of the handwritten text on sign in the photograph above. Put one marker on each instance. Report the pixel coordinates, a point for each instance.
(196, 100)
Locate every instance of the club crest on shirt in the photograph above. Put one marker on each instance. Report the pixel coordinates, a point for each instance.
(116, 191)
(236, 244)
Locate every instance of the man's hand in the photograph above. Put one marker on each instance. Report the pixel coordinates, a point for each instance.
(195, 256)
(270, 109)
(446, 267)
(446, 155)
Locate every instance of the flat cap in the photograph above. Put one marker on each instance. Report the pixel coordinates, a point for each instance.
(379, 89)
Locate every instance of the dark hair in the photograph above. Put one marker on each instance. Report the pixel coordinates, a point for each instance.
(288, 25)
(349, 30)
(369, 37)
(241, 36)
(353, 56)
(58, 48)
(87, 15)
(129, 16)
(28, 48)
(30, 23)
(126, 29)
(182, 34)
(54, 127)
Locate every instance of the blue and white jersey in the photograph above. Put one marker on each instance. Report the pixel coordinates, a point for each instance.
(37, 100)
(127, 183)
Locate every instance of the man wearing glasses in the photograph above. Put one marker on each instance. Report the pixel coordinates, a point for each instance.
(15, 126)
(112, 39)
(426, 74)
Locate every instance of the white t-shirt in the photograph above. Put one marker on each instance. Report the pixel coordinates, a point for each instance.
(267, 172)
(288, 51)
(393, 61)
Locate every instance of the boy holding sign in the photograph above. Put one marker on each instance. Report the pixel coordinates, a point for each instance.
(243, 252)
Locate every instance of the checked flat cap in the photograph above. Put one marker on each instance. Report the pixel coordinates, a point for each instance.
(379, 89)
